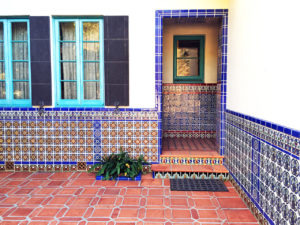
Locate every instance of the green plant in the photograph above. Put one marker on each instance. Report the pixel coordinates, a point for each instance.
(116, 165)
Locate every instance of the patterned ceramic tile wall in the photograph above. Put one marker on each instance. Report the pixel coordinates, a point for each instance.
(189, 110)
(71, 139)
(264, 159)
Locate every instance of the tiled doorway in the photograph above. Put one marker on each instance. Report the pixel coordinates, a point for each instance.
(189, 89)
(192, 110)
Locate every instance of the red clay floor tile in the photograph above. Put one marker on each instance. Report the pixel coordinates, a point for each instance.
(131, 201)
(22, 211)
(59, 200)
(242, 215)
(126, 212)
(207, 213)
(179, 213)
(75, 212)
(51, 212)
(112, 191)
(155, 213)
(204, 203)
(102, 212)
(133, 191)
(231, 203)
(107, 201)
(155, 201)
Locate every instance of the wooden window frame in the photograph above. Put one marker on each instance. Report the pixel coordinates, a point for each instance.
(189, 79)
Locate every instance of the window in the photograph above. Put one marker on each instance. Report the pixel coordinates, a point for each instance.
(79, 62)
(188, 59)
(15, 84)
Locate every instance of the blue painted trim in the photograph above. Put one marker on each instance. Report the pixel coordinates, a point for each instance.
(77, 17)
(8, 63)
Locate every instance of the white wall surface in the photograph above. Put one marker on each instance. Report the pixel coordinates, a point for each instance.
(141, 30)
(211, 48)
(263, 64)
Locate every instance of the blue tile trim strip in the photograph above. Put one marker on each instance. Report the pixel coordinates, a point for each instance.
(284, 151)
(278, 139)
(286, 130)
(71, 109)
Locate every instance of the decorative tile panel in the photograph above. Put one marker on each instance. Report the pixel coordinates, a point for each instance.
(189, 110)
(191, 160)
(191, 175)
(67, 139)
(264, 160)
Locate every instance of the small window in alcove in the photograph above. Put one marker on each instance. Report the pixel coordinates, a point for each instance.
(188, 59)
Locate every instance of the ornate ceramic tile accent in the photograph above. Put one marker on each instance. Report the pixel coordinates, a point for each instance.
(191, 160)
(189, 110)
(64, 140)
(193, 175)
(264, 160)
(135, 137)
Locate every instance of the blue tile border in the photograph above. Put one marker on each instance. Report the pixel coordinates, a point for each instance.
(74, 109)
(259, 138)
(137, 178)
(286, 130)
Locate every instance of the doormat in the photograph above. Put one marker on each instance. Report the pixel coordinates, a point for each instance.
(197, 185)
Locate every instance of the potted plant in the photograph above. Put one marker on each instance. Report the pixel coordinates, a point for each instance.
(119, 167)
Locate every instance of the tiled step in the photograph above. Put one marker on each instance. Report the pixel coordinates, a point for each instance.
(191, 158)
(190, 171)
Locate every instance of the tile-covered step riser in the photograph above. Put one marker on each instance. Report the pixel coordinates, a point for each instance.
(191, 160)
(192, 175)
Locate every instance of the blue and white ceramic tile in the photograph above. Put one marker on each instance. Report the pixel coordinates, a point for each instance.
(264, 163)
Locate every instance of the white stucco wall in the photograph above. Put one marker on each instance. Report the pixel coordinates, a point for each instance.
(141, 31)
(263, 64)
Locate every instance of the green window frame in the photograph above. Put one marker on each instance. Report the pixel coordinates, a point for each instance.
(15, 70)
(77, 62)
(198, 77)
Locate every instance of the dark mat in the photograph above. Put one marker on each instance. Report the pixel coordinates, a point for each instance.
(197, 185)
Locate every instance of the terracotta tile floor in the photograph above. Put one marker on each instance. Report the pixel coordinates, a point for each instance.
(189, 144)
(77, 198)
(202, 147)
